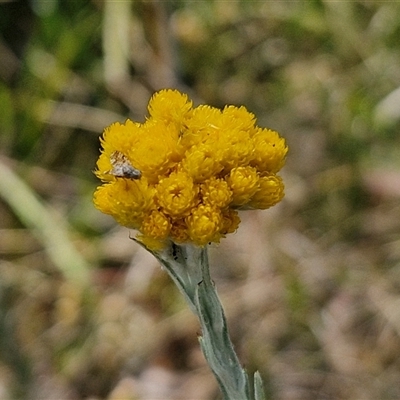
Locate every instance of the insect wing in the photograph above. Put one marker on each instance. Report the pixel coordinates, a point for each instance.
(122, 167)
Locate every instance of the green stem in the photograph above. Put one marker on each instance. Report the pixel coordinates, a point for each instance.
(188, 267)
(215, 342)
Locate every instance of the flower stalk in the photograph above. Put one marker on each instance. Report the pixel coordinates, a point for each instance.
(188, 267)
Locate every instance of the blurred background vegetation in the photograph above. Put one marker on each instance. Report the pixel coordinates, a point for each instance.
(311, 287)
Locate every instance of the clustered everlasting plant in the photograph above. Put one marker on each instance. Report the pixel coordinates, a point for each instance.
(179, 179)
(198, 166)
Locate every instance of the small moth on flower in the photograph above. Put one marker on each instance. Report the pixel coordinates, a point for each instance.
(122, 167)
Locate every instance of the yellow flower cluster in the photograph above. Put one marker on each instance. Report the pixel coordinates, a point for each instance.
(183, 174)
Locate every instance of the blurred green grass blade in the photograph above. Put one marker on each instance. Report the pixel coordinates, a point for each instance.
(50, 229)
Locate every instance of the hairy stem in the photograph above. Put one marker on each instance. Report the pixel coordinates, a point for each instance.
(188, 267)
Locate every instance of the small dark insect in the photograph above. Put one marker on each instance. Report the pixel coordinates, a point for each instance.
(122, 167)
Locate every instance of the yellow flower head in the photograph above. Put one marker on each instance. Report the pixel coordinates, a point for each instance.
(182, 174)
